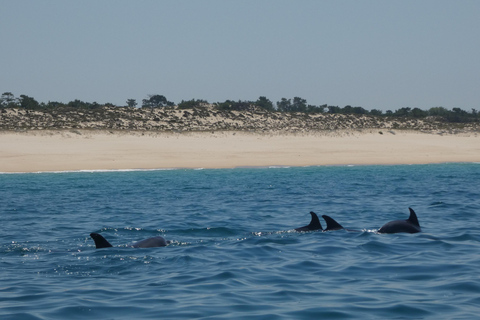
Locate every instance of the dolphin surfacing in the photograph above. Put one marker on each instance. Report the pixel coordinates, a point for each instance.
(410, 225)
(314, 224)
(101, 242)
(332, 225)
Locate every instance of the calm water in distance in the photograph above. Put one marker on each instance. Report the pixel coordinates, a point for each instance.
(234, 254)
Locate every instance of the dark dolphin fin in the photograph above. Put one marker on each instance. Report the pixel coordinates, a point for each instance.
(314, 224)
(332, 224)
(413, 218)
(100, 241)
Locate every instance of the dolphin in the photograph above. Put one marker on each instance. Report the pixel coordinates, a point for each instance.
(314, 224)
(101, 242)
(333, 225)
(410, 225)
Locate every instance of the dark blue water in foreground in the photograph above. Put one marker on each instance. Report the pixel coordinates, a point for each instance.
(234, 254)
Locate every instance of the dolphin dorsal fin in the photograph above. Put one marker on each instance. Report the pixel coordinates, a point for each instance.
(100, 241)
(413, 218)
(331, 223)
(315, 222)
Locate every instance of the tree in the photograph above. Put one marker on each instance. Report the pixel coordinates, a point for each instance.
(402, 112)
(227, 105)
(54, 104)
(359, 110)
(235, 105)
(458, 115)
(132, 103)
(334, 109)
(459, 111)
(264, 103)
(299, 105)
(78, 104)
(348, 109)
(27, 102)
(376, 112)
(190, 104)
(322, 108)
(156, 101)
(315, 109)
(284, 105)
(438, 111)
(418, 113)
(7, 100)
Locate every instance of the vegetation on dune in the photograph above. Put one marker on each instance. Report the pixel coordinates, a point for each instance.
(156, 112)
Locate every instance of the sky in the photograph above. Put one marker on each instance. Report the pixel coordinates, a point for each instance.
(375, 54)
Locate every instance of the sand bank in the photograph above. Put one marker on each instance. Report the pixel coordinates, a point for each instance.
(35, 151)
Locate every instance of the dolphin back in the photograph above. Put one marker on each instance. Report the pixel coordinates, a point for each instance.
(151, 243)
(410, 225)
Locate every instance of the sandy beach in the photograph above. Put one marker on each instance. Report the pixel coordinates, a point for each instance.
(65, 150)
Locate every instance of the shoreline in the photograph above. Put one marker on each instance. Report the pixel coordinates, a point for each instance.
(100, 150)
(229, 168)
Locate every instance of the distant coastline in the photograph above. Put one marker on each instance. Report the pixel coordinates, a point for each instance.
(208, 136)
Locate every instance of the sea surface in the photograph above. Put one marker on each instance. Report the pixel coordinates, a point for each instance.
(234, 253)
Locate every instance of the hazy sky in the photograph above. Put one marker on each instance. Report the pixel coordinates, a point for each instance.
(383, 54)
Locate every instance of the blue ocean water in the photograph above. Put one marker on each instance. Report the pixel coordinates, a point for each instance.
(234, 253)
